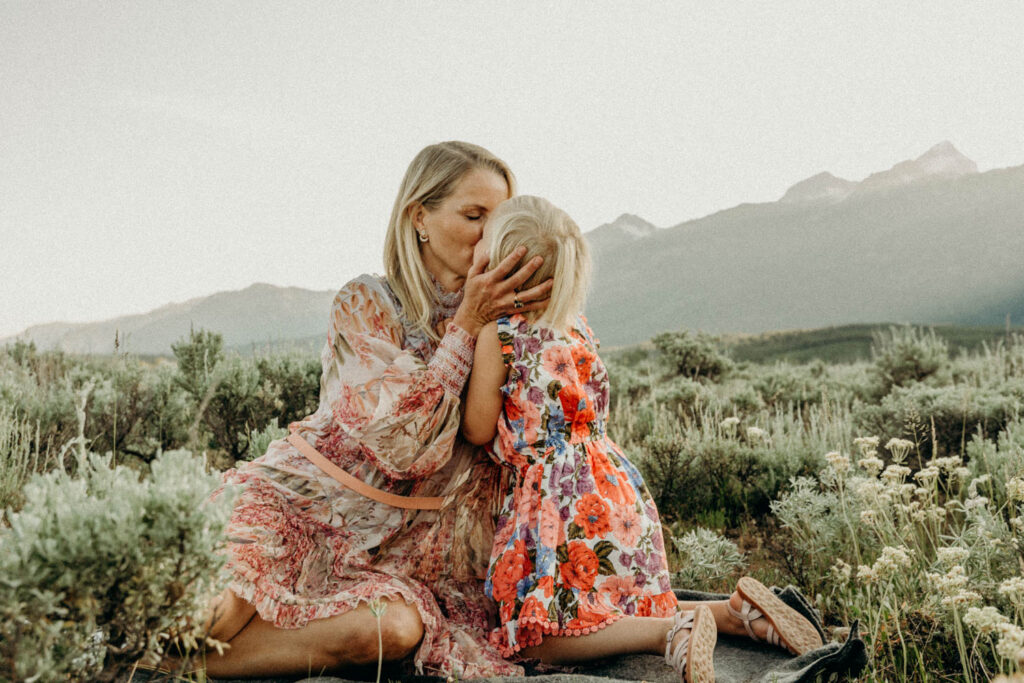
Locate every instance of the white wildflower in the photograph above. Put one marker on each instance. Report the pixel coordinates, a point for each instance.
(952, 555)
(899, 448)
(961, 472)
(867, 574)
(871, 465)
(1011, 642)
(979, 502)
(948, 463)
(985, 619)
(964, 597)
(892, 560)
(894, 474)
(756, 434)
(837, 461)
(866, 444)
(842, 570)
(1013, 589)
(868, 517)
(950, 583)
(729, 423)
(1015, 489)
(927, 475)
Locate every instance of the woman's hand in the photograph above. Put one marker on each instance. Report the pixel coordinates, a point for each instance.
(490, 294)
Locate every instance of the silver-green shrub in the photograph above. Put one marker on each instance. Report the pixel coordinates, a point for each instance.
(706, 559)
(259, 440)
(101, 567)
(907, 354)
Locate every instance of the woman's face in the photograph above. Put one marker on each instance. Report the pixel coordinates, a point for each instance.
(456, 225)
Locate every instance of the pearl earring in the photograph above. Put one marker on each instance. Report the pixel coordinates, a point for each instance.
(423, 238)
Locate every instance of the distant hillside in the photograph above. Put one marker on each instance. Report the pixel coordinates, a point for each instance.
(930, 241)
(259, 315)
(849, 343)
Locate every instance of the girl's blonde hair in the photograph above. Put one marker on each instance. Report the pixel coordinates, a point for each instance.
(545, 230)
(430, 179)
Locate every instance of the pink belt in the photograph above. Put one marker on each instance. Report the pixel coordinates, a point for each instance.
(347, 480)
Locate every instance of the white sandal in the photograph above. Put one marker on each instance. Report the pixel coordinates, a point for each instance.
(693, 657)
(799, 635)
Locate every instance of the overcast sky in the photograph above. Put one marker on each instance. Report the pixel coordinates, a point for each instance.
(154, 152)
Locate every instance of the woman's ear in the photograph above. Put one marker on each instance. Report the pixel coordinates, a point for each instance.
(417, 212)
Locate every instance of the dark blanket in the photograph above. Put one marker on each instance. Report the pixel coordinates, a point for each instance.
(737, 659)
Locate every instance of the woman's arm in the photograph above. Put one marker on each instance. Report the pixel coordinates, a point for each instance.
(404, 412)
(484, 398)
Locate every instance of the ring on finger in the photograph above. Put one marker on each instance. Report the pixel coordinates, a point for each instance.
(516, 303)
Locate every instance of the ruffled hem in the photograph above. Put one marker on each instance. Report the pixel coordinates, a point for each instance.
(536, 628)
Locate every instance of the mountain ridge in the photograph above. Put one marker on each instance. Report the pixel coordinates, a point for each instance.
(934, 243)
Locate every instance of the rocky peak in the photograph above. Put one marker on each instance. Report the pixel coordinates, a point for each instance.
(821, 187)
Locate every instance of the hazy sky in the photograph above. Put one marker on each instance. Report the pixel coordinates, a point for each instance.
(156, 151)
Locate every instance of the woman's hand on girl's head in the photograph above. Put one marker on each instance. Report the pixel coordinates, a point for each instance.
(490, 294)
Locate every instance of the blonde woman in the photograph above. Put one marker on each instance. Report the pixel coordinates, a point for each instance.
(374, 507)
(578, 568)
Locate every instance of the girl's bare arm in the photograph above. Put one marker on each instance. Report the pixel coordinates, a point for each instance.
(483, 400)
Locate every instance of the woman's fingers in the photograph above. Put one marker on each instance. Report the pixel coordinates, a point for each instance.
(479, 265)
(539, 292)
(524, 273)
(509, 262)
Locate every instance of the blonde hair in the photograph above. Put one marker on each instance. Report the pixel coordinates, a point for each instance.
(545, 230)
(430, 179)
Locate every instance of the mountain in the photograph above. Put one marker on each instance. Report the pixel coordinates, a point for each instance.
(823, 186)
(941, 161)
(930, 241)
(625, 229)
(259, 314)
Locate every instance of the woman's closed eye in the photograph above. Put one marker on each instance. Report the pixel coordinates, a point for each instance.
(474, 217)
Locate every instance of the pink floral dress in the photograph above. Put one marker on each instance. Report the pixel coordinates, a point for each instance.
(305, 547)
(578, 543)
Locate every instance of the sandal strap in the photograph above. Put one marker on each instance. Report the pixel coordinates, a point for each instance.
(677, 658)
(748, 613)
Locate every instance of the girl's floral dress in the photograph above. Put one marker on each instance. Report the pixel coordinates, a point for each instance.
(304, 547)
(578, 543)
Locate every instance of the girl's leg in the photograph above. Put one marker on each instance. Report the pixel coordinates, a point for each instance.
(628, 635)
(725, 621)
(324, 645)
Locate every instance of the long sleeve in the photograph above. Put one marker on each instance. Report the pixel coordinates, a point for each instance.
(402, 411)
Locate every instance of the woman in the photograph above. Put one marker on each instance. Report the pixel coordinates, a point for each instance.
(309, 555)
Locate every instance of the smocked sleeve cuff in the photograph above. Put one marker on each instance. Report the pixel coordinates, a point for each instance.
(454, 358)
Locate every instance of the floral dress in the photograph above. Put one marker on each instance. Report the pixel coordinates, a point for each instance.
(578, 542)
(304, 547)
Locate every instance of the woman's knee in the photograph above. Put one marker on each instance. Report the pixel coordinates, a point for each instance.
(401, 630)
(398, 634)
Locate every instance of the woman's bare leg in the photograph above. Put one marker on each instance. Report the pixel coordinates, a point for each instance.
(230, 615)
(261, 649)
(628, 635)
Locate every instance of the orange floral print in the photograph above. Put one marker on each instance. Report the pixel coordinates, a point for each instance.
(592, 515)
(580, 570)
(611, 482)
(509, 571)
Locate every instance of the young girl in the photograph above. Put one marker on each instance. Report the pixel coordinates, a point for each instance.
(578, 567)
(578, 548)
